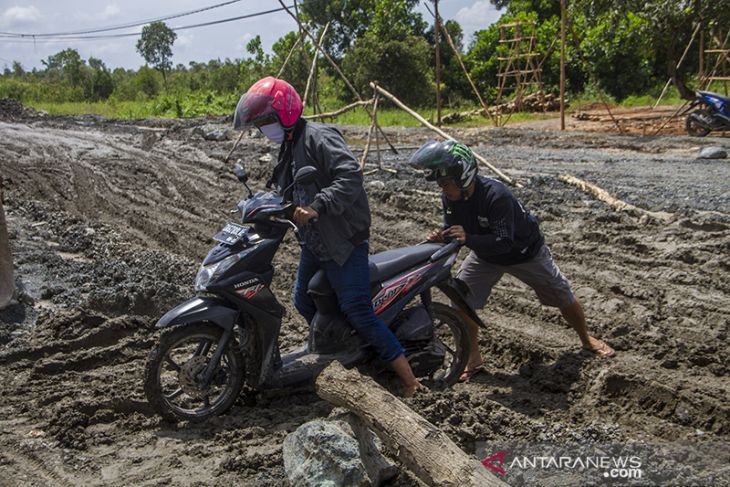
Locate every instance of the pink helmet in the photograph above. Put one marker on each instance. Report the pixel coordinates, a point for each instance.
(266, 101)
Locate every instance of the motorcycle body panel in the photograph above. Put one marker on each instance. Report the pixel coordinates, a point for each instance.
(200, 309)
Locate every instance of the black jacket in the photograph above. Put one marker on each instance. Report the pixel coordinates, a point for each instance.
(338, 195)
(498, 228)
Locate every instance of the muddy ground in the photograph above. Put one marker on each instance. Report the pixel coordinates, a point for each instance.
(109, 220)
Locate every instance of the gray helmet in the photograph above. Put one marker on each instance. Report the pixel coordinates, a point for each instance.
(448, 159)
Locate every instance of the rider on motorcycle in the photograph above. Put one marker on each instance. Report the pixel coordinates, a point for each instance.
(333, 214)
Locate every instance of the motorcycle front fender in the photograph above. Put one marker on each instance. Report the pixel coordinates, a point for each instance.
(456, 291)
(197, 310)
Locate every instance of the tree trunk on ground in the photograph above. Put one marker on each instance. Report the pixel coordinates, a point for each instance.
(7, 283)
(420, 446)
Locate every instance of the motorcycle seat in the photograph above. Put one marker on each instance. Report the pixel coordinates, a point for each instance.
(726, 99)
(383, 265)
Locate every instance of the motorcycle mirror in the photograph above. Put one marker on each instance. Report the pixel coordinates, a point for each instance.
(240, 173)
(306, 175)
(242, 176)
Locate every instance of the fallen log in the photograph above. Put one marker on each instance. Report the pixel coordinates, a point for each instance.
(7, 283)
(615, 203)
(420, 446)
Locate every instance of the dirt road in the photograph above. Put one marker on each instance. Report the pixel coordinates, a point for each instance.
(109, 220)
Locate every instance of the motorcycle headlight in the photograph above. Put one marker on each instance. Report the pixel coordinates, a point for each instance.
(212, 272)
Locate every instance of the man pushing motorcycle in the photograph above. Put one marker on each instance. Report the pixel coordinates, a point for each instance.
(333, 214)
(484, 215)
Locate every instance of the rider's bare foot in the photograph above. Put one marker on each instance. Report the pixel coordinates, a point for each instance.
(599, 347)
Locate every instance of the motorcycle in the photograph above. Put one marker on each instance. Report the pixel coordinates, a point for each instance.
(227, 336)
(713, 114)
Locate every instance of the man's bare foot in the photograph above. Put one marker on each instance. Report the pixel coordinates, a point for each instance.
(410, 390)
(599, 347)
(471, 369)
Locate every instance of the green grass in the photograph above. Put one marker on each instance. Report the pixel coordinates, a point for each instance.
(387, 117)
(109, 109)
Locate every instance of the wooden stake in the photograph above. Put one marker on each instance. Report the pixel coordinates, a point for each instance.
(443, 134)
(423, 448)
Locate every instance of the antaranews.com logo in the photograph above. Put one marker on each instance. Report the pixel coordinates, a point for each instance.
(630, 464)
(621, 467)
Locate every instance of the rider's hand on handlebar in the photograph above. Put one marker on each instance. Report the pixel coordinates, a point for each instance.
(457, 232)
(303, 215)
(435, 236)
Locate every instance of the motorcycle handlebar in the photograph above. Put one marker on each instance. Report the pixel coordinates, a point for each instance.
(445, 250)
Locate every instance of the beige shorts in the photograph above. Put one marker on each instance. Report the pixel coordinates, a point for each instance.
(540, 273)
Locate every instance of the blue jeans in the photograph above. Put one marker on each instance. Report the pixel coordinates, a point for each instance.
(351, 283)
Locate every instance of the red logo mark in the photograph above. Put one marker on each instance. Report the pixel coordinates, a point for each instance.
(487, 462)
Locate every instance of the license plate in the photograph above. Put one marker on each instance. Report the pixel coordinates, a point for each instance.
(232, 233)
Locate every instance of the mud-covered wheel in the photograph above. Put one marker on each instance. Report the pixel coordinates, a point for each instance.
(693, 125)
(450, 333)
(172, 374)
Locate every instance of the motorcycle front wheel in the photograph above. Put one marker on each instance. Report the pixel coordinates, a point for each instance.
(172, 375)
(694, 126)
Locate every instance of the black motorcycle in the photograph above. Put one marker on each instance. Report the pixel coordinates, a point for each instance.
(712, 114)
(227, 336)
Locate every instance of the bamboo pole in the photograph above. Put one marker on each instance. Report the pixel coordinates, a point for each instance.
(615, 203)
(340, 111)
(681, 60)
(451, 44)
(288, 56)
(375, 121)
(314, 63)
(610, 114)
(370, 133)
(437, 38)
(563, 20)
(305, 54)
(338, 70)
(443, 134)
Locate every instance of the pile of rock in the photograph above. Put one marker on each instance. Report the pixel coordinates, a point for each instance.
(12, 109)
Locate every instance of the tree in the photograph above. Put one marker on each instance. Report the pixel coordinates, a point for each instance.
(68, 64)
(100, 85)
(350, 19)
(400, 66)
(155, 46)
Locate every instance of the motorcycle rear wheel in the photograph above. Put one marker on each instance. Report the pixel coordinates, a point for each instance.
(451, 332)
(693, 125)
(171, 383)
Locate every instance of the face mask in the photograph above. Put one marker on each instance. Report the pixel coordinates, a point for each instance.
(274, 132)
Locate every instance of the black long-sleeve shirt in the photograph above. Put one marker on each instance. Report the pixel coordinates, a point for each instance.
(498, 228)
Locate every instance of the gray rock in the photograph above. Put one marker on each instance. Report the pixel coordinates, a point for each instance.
(330, 453)
(714, 152)
(217, 135)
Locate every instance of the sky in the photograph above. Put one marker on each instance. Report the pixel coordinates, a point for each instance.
(227, 40)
